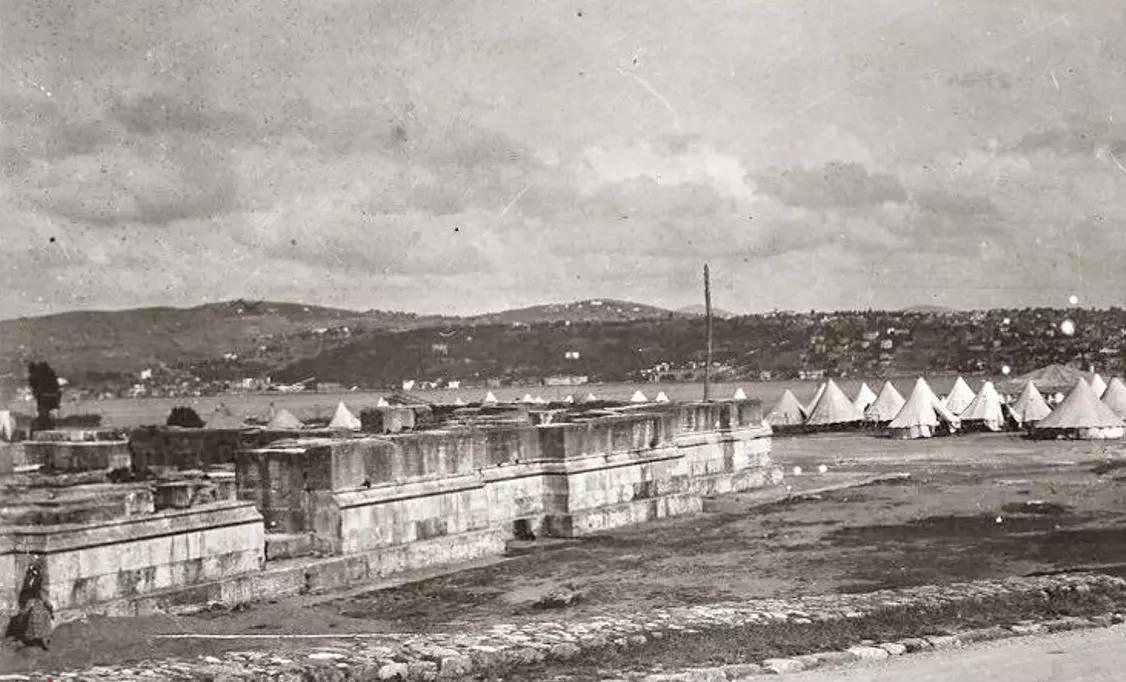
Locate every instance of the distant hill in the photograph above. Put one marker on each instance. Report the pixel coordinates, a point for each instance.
(101, 341)
(259, 334)
(590, 310)
(699, 309)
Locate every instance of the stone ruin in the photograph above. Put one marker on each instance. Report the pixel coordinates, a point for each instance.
(164, 518)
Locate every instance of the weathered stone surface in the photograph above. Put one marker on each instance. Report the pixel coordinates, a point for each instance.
(894, 648)
(870, 653)
(825, 659)
(944, 641)
(984, 634)
(1067, 623)
(782, 665)
(739, 671)
(914, 644)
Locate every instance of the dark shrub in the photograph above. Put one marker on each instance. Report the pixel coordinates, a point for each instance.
(185, 417)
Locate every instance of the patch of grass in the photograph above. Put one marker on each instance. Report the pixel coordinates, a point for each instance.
(753, 643)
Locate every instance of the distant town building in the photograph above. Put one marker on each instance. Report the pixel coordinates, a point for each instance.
(565, 380)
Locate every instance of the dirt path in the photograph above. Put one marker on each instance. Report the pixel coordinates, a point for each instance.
(1083, 656)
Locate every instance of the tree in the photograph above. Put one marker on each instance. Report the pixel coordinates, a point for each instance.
(44, 385)
(186, 417)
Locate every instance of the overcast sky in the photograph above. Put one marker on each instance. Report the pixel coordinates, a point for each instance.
(446, 156)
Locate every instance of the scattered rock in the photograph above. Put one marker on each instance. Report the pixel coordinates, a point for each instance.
(782, 666)
(559, 598)
(914, 644)
(943, 641)
(894, 648)
(870, 653)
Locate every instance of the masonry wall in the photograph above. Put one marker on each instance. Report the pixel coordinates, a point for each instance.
(131, 557)
(370, 494)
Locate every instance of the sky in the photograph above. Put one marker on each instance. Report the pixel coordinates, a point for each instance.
(462, 157)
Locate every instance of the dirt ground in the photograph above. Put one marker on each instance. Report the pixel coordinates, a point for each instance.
(975, 506)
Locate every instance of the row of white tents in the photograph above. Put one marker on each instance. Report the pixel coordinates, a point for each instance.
(1090, 410)
(343, 418)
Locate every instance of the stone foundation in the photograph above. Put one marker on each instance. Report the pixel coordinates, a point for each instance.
(90, 563)
(125, 527)
(383, 494)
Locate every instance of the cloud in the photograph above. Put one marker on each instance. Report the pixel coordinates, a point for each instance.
(835, 184)
(117, 185)
(950, 203)
(668, 162)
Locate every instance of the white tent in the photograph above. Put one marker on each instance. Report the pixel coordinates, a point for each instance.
(739, 394)
(985, 411)
(833, 407)
(887, 404)
(787, 412)
(661, 397)
(382, 402)
(864, 397)
(590, 398)
(1081, 415)
(569, 400)
(960, 397)
(283, 420)
(1030, 407)
(458, 401)
(490, 399)
(638, 397)
(527, 399)
(816, 396)
(1115, 397)
(921, 414)
(1098, 385)
(344, 419)
(539, 400)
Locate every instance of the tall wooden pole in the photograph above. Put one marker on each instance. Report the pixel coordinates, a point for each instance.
(708, 316)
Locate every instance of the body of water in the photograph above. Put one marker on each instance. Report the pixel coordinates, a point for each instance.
(129, 412)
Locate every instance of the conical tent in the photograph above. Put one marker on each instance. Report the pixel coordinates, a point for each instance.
(490, 399)
(921, 414)
(833, 407)
(985, 411)
(787, 412)
(382, 402)
(739, 394)
(283, 419)
(887, 404)
(816, 396)
(590, 398)
(458, 401)
(528, 399)
(960, 397)
(661, 397)
(638, 397)
(1082, 415)
(344, 419)
(864, 397)
(1115, 397)
(1098, 385)
(1030, 407)
(569, 400)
